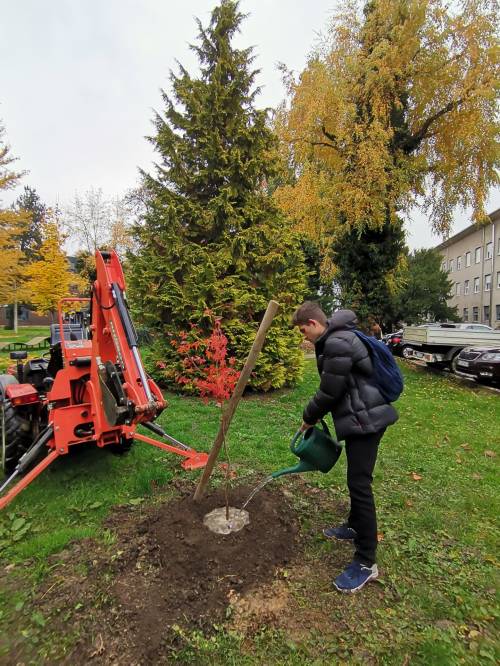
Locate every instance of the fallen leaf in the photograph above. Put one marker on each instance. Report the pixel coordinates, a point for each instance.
(408, 503)
(444, 624)
(416, 477)
(476, 476)
(465, 447)
(489, 454)
(380, 536)
(473, 633)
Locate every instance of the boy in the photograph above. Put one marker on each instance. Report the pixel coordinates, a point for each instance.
(360, 415)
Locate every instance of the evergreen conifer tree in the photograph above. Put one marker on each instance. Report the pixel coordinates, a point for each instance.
(368, 266)
(211, 239)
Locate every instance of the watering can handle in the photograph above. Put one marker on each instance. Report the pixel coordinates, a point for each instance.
(299, 434)
(325, 427)
(293, 444)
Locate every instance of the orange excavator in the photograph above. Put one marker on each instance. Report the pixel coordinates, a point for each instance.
(91, 387)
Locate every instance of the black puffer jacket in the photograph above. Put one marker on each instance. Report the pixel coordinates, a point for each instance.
(346, 389)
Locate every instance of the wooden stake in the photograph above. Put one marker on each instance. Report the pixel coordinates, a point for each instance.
(228, 413)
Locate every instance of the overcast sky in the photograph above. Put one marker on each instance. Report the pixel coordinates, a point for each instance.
(79, 80)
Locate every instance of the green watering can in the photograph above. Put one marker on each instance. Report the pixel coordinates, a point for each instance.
(317, 450)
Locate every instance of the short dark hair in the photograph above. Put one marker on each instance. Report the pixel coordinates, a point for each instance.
(308, 310)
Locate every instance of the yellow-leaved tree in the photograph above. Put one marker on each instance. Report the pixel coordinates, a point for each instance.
(12, 225)
(50, 279)
(397, 107)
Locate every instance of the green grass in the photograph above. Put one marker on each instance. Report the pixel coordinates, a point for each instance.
(436, 485)
(24, 334)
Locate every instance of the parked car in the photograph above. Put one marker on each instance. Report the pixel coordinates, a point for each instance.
(440, 345)
(468, 327)
(482, 363)
(393, 341)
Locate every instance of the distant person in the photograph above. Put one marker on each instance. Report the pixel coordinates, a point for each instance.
(360, 415)
(376, 331)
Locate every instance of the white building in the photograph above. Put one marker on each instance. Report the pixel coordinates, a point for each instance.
(472, 260)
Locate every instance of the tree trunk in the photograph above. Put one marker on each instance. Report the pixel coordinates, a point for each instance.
(228, 413)
(14, 315)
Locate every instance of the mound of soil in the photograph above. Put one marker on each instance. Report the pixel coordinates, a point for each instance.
(166, 568)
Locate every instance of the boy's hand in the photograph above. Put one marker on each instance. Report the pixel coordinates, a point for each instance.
(305, 426)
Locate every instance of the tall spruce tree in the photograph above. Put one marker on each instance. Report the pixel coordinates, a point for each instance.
(211, 237)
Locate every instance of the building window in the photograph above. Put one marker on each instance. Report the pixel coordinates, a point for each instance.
(489, 250)
(443, 266)
(498, 245)
(451, 266)
(475, 313)
(498, 279)
(486, 313)
(459, 263)
(487, 282)
(457, 288)
(478, 255)
(467, 259)
(466, 287)
(466, 314)
(476, 286)
(498, 312)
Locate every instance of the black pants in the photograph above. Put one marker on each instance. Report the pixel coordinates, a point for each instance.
(361, 454)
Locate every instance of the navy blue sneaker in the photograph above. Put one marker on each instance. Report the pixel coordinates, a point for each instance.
(355, 576)
(342, 533)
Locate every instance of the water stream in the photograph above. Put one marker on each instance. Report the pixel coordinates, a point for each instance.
(218, 520)
(257, 489)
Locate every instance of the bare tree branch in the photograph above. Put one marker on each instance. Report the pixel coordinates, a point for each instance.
(411, 143)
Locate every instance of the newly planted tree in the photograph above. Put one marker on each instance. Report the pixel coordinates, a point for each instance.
(211, 237)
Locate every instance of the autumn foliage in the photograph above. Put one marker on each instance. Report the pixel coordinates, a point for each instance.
(13, 225)
(203, 365)
(397, 106)
(49, 279)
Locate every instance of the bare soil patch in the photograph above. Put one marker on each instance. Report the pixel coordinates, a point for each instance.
(164, 570)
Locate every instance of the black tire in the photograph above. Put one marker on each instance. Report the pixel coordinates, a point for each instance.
(15, 436)
(123, 447)
(454, 365)
(404, 351)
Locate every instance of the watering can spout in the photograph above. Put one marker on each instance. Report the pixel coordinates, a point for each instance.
(302, 466)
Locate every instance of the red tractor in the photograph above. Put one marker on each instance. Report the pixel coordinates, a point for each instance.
(92, 387)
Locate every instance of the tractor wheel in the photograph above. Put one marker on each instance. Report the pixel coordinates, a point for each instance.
(123, 447)
(15, 436)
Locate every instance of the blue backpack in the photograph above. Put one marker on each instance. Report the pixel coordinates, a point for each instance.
(386, 374)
